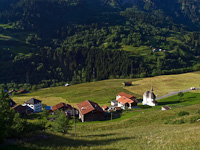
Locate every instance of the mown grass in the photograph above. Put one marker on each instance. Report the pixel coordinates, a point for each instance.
(101, 91)
(104, 91)
(165, 84)
(146, 130)
(141, 128)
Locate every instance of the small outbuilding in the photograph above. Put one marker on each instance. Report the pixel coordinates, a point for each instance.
(105, 108)
(165, 108)
(127, 83)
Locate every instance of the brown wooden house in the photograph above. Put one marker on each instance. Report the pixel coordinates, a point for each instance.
(90, 111)
(68, 109)
(22, 110)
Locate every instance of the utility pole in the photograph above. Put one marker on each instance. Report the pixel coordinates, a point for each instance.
(74, 122)
(111, 115)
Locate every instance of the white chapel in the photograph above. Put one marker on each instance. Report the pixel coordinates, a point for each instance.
(149, 98)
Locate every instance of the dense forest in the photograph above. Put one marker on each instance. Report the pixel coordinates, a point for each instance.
(51, 41)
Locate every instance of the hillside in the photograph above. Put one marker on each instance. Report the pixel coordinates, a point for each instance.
(104, 91)
(84, 40)
(139, 128)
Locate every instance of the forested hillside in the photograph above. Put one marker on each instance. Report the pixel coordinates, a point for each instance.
(85, 40)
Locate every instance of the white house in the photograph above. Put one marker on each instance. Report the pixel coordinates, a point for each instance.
(126, 100)
(149, 98)
(122, 94)
(125, 103)
(114, 103)
(34, 104)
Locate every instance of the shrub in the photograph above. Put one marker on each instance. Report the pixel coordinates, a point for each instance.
(183, 113)
(193, 119)
(198, 112)
(180, 121)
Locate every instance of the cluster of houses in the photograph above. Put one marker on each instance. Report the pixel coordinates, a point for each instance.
(21, 91)
(31, 106)
(88, 110)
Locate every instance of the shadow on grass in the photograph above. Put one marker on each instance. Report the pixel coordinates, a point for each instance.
(169, 102)
(62, 142)
(98, 135)
(144, 106)
(32, 116)
(135, 84)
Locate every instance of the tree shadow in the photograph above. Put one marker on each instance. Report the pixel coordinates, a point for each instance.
(169, 102)
(144, 106)
(63, 142)
(98, 135)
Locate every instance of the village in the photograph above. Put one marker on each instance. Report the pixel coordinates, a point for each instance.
(89, 110)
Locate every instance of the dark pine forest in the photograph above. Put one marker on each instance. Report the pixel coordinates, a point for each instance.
(49, 42)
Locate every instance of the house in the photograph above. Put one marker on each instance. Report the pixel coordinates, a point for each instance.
(68, 109)
(126, 100)
(90, 111)
(34, 104)
(149, 98)
(111, 108)
(119, 95)
(22, 110)
(114, 103)
(67, 84)
(22, 91)
(127, 83)
(105, 108)
(165, 108)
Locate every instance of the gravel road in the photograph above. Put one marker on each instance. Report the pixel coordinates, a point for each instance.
(174, 93)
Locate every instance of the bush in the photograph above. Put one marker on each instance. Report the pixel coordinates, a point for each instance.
(183, 113)
(62, 124)
(198, 112)
(193, 119)
(176, 121)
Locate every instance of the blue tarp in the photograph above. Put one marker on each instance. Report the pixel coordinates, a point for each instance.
(48, 107)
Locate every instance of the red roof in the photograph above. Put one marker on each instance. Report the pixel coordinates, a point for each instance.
(126, 95)
(88, 106)
(125, 100)
(61, 105)
(105, 107)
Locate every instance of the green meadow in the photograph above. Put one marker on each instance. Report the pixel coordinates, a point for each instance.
(140, 128)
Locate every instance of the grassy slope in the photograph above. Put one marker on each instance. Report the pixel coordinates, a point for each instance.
(145, 130)
(142, 128)
(166, 83)
(105, 91)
